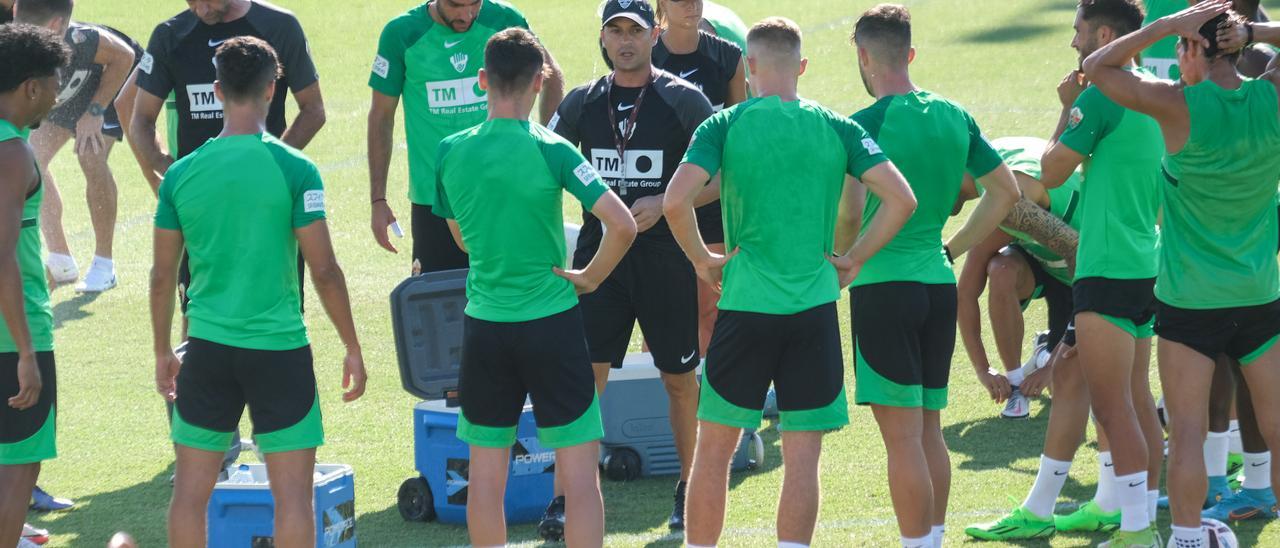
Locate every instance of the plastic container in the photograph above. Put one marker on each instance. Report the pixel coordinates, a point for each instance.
(443, 461)
(241, 510)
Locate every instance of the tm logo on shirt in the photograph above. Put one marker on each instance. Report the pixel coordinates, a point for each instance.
(203, 99)
(462, 92)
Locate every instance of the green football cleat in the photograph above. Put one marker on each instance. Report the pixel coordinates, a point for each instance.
(1020, 524)
(1088, 518)
(1146, 538)
(1235, 471)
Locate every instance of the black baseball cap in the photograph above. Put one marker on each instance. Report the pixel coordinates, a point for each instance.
(636, 10)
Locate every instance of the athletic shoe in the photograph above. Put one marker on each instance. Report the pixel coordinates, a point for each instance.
(24, 542)
(62, 268)
(34, 534)
(44, 502)
(100, 278)
(1219, 490)
(1146, 538)
(1039, 345)
(1018, 406)
(1235, 471)
(770, 404)
(551, 528)
(676, 523)
(1020, 524)
(1088, 518)
(1246, 504)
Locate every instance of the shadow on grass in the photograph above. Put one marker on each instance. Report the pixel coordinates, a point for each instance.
(1010, 33)
(140, 510)
(995, 443)
(639, 508)
(72, 309)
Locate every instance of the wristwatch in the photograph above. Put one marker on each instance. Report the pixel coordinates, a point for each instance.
(96, 110)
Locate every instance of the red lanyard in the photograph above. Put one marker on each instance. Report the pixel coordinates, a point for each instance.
(621, 138)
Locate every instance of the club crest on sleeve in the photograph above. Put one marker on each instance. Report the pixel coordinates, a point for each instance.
(147, 63)
(586, 173)
(313, 201)
(1077, 116)
(871, 146)
(381, 66)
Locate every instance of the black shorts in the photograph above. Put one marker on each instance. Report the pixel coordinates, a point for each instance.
(656, 285)
(1129, 304)
(217, 381)
(799, 354)
(184, 281)
(544, 360)
(1057, 296)
(904, 335)
(711, 223)
(67, 118)
(433, 245)
(1243, 333)
(28, 436)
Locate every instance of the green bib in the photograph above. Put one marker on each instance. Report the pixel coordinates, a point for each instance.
(35, 290)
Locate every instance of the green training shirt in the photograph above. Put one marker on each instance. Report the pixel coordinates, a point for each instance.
(1121, 187)
(784, 168)
(727, 23)
(436, 71)
(1162, 57)
(933, 142)
(1219, 238)
(237, 201)
(35, 290)
(1022, 155)
(503, 181)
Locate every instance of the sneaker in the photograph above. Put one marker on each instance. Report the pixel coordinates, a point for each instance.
(551, 528)
(1235, 471)
(1246, 504)
(1020, 524)
(1088, 518)
(34, 534)
(770, 404)
(24, 542)
(101, 277)
(1018, 406)
(676, 523)
(1039, 352)
(44, 502)
(1219, 490)
(1146, 538)
(62, 268)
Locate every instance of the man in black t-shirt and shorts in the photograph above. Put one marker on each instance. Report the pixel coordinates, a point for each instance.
(634, 124)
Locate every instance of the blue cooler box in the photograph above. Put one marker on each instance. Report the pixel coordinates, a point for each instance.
(444, 462)
(241, 510)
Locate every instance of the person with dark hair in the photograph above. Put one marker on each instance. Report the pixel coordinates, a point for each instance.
(716, 67)
(792, 173)
(634, 124)
(524, 327)
(903, 303)
(246, 193)
(429, 57)
(101, 60)
(28, 378)
(1219, 284)
(6, 11)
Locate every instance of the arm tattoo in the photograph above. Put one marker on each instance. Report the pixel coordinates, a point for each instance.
(1045, 228)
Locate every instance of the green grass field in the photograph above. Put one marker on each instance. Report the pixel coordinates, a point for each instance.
(1002, 59)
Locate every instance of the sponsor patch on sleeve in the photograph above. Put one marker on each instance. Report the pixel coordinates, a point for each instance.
(555, 121)
(586, 173)
(147, 63)
(1077, 116)
(313, 201)
(381, 66)
(871, 146)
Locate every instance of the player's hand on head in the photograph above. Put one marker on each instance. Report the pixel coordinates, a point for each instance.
(382, 218)
(167, 366)
(582, 284)
(647, 212)
(1070, 88)
(846, 267)
(1233, 35)
(1187, 23)
(354, 377)
(29, 384)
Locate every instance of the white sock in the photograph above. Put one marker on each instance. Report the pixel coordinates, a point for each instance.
(1257, 470)
(1106, 495)
(1188, 537)
(938, 532)
(1153, 504)
(1131, 492)
(1049, 481)
(785, 544)
(1015, 377)
(1233, 432)
(1215, 453)
(103, 263)
(699, 546)
(922, 542)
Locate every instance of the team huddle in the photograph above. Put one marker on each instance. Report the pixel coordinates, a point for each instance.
(723, 213)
